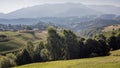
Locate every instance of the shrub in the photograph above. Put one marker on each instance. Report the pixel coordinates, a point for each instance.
(23, 57)
(11, 56)
(37, 50)
(7, 62)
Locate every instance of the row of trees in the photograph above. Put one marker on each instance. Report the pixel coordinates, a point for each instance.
(63, 45)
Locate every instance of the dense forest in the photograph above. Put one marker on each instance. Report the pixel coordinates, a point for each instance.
(62, 44)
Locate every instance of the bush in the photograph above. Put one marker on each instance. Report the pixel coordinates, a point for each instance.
(37, 50)
(11, 56)
(44, 55)
(23, 57)
(113, 42)
(7, 62)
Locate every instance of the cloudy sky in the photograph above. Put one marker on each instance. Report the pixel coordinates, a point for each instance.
(7, 6)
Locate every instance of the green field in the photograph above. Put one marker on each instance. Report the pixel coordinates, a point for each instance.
(112, 61)
(18, 39)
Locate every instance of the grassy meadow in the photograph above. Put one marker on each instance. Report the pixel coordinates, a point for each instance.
(112, 61)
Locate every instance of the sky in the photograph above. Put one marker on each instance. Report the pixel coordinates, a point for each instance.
(7, 6)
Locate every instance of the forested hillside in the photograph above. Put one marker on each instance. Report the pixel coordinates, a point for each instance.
(62, 44)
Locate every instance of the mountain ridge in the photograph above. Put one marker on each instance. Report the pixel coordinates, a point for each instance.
(51, 10)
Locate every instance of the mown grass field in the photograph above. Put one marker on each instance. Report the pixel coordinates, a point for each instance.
(17, 39)
(112, 61)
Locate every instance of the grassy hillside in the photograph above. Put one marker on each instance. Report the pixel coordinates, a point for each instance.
(111, 28)
(112, 61)
(18, 39)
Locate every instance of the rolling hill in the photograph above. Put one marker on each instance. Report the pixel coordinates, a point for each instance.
(19, 39)
(111, 28)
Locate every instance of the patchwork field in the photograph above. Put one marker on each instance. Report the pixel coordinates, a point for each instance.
(112, 61)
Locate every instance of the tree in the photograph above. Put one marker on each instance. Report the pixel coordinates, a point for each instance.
(53, 44)
(6, 62)
(97, 48)
(30, 49)
(71, 45)
(113, 42)
(28, 28)
(23, 57)
(101, 39)
(11, 56)
(37, 51)
(45, 55)
(84, 50)
(105, 48)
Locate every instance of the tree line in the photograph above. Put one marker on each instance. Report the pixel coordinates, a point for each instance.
(62, 45)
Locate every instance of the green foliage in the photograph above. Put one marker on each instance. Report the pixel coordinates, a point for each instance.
(53, 44)
(11, 56)
(30, 49)
(71, 45)
(23, 57)
(100, 37)
(114, 42)
(37, 50)
(28, 28)
(99, 47)
(45, 55)
(3, 38)
(64, 44)
(6, 62)
(96, 62)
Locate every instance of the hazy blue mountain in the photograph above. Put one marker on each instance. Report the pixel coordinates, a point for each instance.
(106, 9)
(93, 23)
(53, 10)
(26, 21)
(2, 14)
(118, 18)
(107, 16)
(62, 10)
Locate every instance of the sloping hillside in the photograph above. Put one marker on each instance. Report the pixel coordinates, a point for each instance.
(112, 61)
(111, 28)
(18, 39)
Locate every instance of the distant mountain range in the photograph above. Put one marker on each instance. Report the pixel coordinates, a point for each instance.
(62, 10)
(106, 9)
(84, 19)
